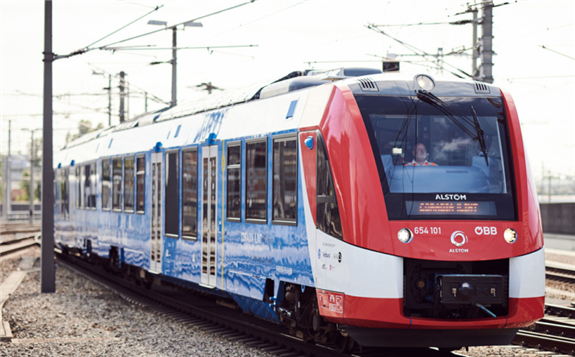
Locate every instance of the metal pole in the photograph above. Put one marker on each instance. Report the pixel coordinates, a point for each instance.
(109, 100)
(486, 71)
(145, 102)
(174, 67)
(122, 83)
(31, 191)
(474, 43)
(48, 275)
(128, 101)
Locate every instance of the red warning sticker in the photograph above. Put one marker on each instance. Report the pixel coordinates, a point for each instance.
(330, 303)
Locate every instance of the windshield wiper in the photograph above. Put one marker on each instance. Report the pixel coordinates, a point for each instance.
(457, 118)
(480, 136)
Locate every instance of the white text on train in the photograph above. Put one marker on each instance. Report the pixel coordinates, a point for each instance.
(446, 197)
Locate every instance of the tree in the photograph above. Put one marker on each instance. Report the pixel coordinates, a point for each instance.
(84, 127)
(25, 188)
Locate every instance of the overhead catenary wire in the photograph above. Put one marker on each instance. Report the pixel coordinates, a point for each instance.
(176, 25)
(123, 27)
(418, 51)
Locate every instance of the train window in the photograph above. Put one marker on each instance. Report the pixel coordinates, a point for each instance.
(93, 185)
(234, 179)
(172, 195)
(328, 219)
(129, 184)
(106, 185)
(65, 202)
(189, 193)
(79, 186)
(87, 186)
(117, 184)
(57, 189)
(256, 181)
(284, 197)
(140, 184)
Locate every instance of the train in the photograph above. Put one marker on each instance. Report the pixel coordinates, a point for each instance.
(353, 206)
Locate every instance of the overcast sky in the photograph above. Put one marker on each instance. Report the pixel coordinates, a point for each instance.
(290, 35)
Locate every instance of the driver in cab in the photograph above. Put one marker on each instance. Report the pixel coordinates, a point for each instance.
(420, 157)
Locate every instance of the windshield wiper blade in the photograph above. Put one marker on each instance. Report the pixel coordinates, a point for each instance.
(480, 136)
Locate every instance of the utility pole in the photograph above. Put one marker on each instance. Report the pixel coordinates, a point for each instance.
(486, 69)
(122, 96)
(174, 67)
(174, 60)
(109, 88)
(128, 100)
(440, 60)
(475, 45)
(48, 274)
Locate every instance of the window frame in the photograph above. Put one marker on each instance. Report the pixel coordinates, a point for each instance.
(119, 206)
(195, 150)
(79, 186)
(246, 182)
(108, 207)
(285, 138)
(143, 173)
(234, 144)
(166, 194)
(125, 181)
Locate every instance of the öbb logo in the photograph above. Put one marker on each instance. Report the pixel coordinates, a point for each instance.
(486, 231)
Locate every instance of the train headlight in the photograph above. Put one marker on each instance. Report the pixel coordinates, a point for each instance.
(404, 235)
(510, 235)
(425, 82)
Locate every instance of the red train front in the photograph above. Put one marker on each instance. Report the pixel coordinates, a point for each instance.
(427, 229)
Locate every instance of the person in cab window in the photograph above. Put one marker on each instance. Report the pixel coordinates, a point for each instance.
(420, 157)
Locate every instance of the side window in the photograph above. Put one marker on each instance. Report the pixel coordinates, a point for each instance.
(328, 219)
(234, 179)
(65, 192)
(172, 195)
(129, 184)
(189, 193)
(284, 196)
(93, 185)
(117, 184)
(140, 184)
(79, 185)
(106, 184)
(57, 190)
(256, 181)
(87, 186)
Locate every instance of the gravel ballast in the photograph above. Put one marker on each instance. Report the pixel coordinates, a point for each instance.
(84, 318)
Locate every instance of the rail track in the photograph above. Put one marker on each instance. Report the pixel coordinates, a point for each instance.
(556, 331)
(16, 237)
(224, 318)
(560, 272)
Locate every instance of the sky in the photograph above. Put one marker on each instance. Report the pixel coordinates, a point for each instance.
(534, 42)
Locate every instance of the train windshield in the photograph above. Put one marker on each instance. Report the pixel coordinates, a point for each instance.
(441, 158)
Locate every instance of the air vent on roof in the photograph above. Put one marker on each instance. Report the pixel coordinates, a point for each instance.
(367, 85)
(481, 88)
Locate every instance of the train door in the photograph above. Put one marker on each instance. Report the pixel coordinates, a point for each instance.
(209, 216)
(156, 236)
